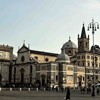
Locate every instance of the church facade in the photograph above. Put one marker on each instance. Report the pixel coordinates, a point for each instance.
(72, 67)
(45, 68)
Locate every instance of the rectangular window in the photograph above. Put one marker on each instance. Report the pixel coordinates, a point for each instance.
(96, 65)
(64, 67)
(56, 77)
(53, 67)
(88, 57)
(88, 77)
(56, 67)
(96, 58)
(37, 68)
(78, 57)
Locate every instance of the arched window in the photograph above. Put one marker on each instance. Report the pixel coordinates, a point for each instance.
(36, 57)
(69, 52)
(22, 75)
(46, 59)
(86, 44)
(80, 44)
(31, 69)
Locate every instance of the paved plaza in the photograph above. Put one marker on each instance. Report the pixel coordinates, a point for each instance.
(44, 95)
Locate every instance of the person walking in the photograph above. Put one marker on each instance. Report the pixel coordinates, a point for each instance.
(83, 90)
(98, 90)
(87, 90)
(68, 93)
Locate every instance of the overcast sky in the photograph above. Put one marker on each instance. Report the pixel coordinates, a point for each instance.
(46, 24)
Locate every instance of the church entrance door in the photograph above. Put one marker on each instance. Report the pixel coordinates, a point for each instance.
(43, 79)
(22, 75)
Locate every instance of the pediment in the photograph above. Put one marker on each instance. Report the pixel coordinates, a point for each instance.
(23, 49)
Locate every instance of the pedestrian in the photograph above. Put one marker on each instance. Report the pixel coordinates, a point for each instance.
(56, 88)
(97, 90)
(87, 90)
(68, 93)
(53, 87)
(93, 90)
(83, 90)
(62, 88)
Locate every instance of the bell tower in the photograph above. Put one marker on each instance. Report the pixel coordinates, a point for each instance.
(83, 41)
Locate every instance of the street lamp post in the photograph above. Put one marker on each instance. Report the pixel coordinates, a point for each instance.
(94, 26)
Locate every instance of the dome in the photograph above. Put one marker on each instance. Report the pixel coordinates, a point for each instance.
(69, 44)
(63, 58)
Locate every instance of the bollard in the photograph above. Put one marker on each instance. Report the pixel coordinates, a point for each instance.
(58, 88)
(28, 89)
(44, 89)
(37, 89)
(0, 88)
(10, 89)
(51, 88)
(20, 89)
(68, 94)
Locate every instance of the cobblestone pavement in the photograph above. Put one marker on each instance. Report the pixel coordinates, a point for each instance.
(44, 95)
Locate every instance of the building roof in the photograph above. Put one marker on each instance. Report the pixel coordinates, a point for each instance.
(83, 33)
(63, 57)
(69, 44)
(44, 53)
(23, 46)
(38, 52)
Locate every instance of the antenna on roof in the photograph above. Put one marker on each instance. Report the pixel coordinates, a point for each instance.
(24, 42)
(83, 23)
(69, 37)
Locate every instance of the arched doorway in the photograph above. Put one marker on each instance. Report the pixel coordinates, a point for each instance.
(22, 75)
(43, 79)
(80, 81)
